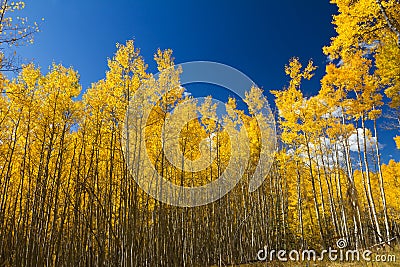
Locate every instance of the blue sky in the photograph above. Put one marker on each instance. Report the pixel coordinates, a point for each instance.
(256, 37)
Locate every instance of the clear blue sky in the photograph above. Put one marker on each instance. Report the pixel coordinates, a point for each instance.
(255, 36)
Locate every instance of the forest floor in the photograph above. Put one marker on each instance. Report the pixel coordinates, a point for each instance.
(327, 263)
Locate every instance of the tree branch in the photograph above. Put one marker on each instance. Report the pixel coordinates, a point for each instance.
(389, 22)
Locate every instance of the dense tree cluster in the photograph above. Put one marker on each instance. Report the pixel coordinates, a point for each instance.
(68, 198)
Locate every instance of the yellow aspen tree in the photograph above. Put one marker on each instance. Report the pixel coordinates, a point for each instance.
(372, 26)
(295, 122)
(14, 31)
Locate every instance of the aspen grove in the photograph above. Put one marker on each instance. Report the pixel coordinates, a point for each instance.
(68, 199)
